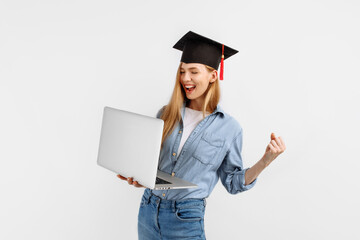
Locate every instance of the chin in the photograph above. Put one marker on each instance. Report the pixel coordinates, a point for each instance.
(191, 97)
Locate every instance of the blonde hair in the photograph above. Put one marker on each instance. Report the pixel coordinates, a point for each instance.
(171, 112)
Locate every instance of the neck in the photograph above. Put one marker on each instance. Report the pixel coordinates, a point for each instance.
(195, 104)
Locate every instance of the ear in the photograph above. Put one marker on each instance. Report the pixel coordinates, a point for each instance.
(213, 76)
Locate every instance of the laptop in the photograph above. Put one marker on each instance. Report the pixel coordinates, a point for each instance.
(130, 146)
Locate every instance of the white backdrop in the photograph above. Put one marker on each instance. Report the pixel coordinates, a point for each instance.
(296, 74)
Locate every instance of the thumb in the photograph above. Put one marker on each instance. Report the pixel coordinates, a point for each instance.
(272, 136)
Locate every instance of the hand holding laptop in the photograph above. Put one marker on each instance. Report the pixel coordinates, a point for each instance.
(130, 181)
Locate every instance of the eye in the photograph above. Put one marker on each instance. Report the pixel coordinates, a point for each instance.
(194, 72)
(181, 72)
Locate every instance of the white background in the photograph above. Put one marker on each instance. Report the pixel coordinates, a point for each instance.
(296, 74)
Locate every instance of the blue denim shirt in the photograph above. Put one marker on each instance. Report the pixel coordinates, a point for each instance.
(212, 151)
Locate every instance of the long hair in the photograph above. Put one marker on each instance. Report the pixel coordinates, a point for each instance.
(171, 112)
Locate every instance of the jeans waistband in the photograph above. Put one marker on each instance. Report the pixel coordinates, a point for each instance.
(163, 203)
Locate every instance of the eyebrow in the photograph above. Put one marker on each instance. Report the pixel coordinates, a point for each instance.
(191, 68)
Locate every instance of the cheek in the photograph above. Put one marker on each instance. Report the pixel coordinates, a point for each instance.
(201, 88)
(203, 84)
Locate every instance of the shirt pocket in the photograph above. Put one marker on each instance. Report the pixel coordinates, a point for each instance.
(208, 148)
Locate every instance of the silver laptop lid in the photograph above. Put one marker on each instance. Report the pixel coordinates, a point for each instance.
(130, 144)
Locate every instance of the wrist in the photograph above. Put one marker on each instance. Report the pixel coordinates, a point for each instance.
(266, 161)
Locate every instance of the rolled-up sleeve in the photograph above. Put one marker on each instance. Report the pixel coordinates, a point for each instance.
(231, 171)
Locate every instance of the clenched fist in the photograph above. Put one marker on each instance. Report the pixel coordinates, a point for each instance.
(273, 149)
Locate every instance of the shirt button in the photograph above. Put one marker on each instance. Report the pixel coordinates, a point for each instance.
(163, 194)
(180, 131)
(174, 154)
(172, 174)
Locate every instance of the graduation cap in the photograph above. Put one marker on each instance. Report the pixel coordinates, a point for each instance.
(200, 49)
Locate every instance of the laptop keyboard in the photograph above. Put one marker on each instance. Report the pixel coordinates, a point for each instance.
(161, 181)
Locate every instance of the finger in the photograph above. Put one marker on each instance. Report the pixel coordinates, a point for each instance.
(272, 148)
(130, 180)
(136, 184)
(272, 136)
(121, 177)
(282, 142)
(273, 142)
(278, 142)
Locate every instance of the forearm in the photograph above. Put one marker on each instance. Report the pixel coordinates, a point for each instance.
(252, 173)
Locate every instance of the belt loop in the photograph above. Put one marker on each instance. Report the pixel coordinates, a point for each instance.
(174, 206)
(204, 202)
(148, 196)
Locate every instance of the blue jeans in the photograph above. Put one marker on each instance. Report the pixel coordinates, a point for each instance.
(167, 219)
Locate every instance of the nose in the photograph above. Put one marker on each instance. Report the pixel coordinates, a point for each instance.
(186, 77)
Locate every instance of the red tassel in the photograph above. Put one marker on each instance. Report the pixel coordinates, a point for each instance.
(222, 64)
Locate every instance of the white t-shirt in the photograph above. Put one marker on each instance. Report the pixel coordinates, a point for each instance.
(191, 119)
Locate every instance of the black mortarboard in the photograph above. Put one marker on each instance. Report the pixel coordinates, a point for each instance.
(199, 49)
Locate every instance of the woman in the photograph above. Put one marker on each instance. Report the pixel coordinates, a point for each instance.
(201, 143)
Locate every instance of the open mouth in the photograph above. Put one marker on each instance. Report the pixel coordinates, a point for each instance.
(189, 89)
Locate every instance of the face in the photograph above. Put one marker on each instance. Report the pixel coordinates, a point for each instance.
(195, 79)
